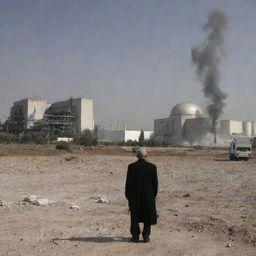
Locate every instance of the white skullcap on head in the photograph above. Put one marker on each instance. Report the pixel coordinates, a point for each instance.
(141, 153)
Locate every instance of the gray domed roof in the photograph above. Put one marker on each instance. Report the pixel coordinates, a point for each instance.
(186, 108)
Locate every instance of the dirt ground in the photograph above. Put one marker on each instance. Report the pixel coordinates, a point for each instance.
(206, 203)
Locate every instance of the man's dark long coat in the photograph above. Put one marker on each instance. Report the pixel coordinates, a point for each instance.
(141, 191)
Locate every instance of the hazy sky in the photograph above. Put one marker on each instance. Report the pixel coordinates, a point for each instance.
(131, 56)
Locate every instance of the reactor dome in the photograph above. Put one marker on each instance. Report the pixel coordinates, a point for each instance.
(186, 108)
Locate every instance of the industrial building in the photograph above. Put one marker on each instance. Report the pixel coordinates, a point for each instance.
(26, 111)
(187, 125)
(73, 115)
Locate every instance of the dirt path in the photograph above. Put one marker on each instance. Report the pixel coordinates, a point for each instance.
(206, 204)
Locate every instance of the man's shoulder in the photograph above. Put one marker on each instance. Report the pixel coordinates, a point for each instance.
(149, 164)
(132, 164)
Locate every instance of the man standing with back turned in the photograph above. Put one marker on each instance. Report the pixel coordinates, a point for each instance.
(141, 191)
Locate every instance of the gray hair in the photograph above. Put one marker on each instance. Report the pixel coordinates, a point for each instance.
(141, 153)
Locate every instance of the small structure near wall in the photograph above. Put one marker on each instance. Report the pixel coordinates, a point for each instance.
(64, 139)
(122, 135)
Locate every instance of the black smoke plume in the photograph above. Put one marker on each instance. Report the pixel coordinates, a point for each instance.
(207, 57)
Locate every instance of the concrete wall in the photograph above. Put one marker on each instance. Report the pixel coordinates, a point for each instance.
(163, 129)
(254, 129)
(20, 108)
(196, 129)
(183, 119)
(176, 125)
(247, 128)
(121, 135)
(134, 135)
(87, 120)
(170, 129)
(235, 126)
(229, 127)
(82, 109)
(36, 108)
(31, 109)
(111, 136)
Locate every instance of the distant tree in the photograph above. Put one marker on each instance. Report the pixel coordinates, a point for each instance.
(151, 142)
(63, 145)
(38, 125)
(39, 137)
(86, 138)
(15, 124)
(141, 138)
(96, 133)
(131, 143)
(254, 143)
(7, 138)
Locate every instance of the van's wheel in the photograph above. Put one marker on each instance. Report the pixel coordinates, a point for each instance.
(246, 159)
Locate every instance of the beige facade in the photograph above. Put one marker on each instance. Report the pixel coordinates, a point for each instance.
(247, 128)
(31, 109)
(81, 110)
(171, 129)
(229, 127)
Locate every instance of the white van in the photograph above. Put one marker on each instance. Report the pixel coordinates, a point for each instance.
(240, 147)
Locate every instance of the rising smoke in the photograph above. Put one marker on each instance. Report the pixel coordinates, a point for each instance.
(207, 57)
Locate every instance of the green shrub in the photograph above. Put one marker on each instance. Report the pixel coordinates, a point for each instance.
(25, 138)
(254, 143)
(151, 142)
(33, 137)
(120, 143)
(165, 144)
(132, 143)
(141, 138)
(39, 137)
(8, 138)
(111, 143)
(198, 147)
(86, 138)
(63, 145)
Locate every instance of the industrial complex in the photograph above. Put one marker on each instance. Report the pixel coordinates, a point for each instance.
(70, 115)
(187, 125)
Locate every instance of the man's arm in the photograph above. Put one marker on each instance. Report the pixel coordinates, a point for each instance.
(155, 181)
(128, 184)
